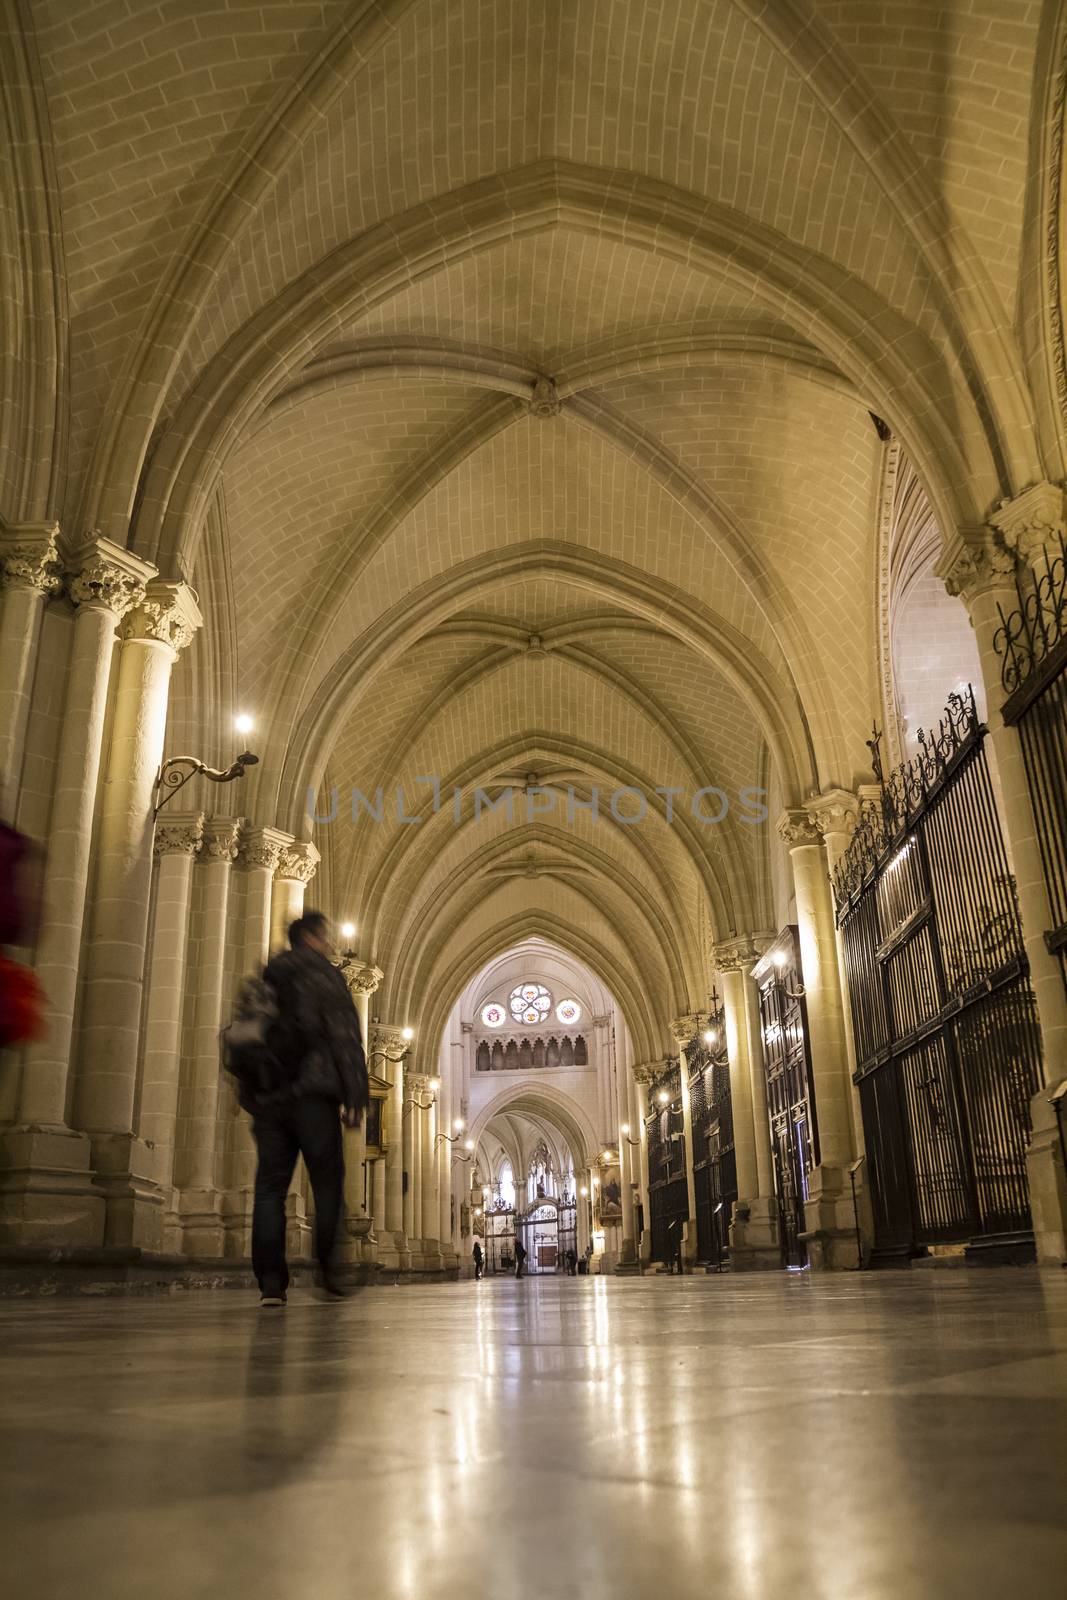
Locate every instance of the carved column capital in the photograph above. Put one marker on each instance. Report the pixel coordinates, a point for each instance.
(796, 828)
(222, 836)
(737, 954)
(299, 862)
(168, 614)
(684, 1029)
(360, 976)
(388, 1039)
(835, 811)
(180, 835)
(417, 1082)
(29, 558)
(262, 847)
(644, 1072)
(975, 560)
(106, 577)
(1031, 521)
(466, 1027)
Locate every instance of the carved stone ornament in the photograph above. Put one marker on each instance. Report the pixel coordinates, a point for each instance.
(298, 861)
(797, 828)
(168, 614)
(644, 1073)
(969, 565)
(388, 1040)
(836, 811)
(262, 848)
(544, 400)
(222, 837)
(735, 955)
(361, 977)
(179, 836)
(1032, 520)
(684, 1029)
(29, 558)
(105, 584)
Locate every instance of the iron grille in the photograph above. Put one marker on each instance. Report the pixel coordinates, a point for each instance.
(947, 1043)
(1032, 645)
(668, 1194)
(790, 1100)
(714, 1158)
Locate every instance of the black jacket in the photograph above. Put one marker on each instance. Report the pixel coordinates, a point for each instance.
(318, 1028)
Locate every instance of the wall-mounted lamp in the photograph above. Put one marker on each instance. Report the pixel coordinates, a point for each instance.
(348, 931)
(625, 1131)
(781, 961)
(583, 1191)
(663, 1098)
(176, 772)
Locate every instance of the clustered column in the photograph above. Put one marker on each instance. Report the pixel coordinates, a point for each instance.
(684, 1031)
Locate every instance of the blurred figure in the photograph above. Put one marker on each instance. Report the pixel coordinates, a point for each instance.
(477, 1254)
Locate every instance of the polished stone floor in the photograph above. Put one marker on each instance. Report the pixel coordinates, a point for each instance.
(897, 1435)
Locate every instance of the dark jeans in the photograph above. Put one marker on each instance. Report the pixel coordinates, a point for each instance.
(312, 1128)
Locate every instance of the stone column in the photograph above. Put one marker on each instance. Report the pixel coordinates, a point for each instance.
(982, 571)
(195, 1169)
(428, 1185)
(830, 1229)
(640, 1078)
(628, 1249)
(46, 1192)
(683, 1031)
(32, 572)
(296, 868)
(153, 634)
(387, 1047)
(445, 1120)
(175, 846)
(754, 1244)
(414, 1087)
(260, 854)
(363, 980)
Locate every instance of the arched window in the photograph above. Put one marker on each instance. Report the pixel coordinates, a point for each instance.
(581, 1052)
(481, 1060)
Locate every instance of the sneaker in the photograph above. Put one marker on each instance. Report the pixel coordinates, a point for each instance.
(272, 1300)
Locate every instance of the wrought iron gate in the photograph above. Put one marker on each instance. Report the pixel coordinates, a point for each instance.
(714, 1160)
(790, 1098)
(668, 1194)
(947, 1044)
(1032, 645)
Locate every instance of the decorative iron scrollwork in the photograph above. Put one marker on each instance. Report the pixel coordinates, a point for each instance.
(1029, 635)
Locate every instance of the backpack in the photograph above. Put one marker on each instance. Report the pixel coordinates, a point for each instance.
(254, 1049)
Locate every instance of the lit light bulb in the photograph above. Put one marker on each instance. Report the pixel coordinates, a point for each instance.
(663, 1097)
(348, 930)
(710, 1036)
(609, 1155)
(435, 1084)
(459, 1125)
(468, 1144)
(243, 722)
(583, 1190)
(780, 959)
(626, 1130)
(407, 1033)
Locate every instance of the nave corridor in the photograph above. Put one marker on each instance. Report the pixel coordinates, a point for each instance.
(774, 1435)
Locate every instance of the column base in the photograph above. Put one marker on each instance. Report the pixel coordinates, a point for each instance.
(389, 1250)
(200, 1213)
(236, 1211)
(644, 1251)
(47, 1195)
(755, 1245)
(1048, 1181)
(829, 1223)
(127, 1174)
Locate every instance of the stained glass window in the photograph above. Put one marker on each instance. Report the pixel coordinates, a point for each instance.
(569, 1012)
(494, 1015)
(530, 1003)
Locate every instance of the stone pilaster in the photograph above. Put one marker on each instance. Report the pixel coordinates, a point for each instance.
(684, 1030)
(641, 1076)
(830, 1235)
(196, 1166)
(363, 980)
(386, 1058)
(754, 1238)
(175, 847)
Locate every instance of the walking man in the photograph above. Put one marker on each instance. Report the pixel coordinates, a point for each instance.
(477, 1254)
(520, 1258)
(322, 1071)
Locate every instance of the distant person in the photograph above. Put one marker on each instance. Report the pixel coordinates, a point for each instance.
(477, 1254)
(520, 1259)
(572, 1263)
(296, 1050)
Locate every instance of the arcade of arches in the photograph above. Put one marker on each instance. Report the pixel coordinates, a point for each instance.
(590, 447)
